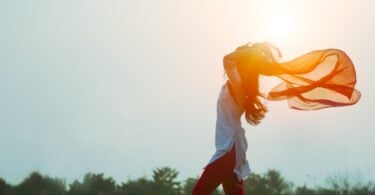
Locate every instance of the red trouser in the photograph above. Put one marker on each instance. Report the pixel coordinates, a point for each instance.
(220, 172)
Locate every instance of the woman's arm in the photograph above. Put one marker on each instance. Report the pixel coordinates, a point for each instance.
(234, 78)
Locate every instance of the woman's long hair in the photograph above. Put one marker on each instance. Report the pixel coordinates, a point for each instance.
(255, 110)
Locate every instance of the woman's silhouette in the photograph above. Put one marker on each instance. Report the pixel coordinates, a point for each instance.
(316, 80)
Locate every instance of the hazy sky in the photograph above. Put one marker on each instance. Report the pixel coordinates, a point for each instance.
(123, 87)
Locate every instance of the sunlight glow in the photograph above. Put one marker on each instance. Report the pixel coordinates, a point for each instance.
(280, 22)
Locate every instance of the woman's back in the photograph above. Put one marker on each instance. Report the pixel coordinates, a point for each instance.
(229, 131)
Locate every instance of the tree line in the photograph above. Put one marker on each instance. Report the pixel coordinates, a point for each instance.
(164, 182)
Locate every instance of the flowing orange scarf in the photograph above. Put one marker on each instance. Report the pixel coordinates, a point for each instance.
(316, 80)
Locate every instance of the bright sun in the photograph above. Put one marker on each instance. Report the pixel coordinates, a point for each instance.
(279, 22)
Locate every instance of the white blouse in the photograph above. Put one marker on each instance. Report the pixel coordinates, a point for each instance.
(229, 130)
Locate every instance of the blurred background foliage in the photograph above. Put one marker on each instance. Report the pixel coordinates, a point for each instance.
(164, 182)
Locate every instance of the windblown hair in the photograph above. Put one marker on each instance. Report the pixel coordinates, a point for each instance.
(255, 110)
(329, 79)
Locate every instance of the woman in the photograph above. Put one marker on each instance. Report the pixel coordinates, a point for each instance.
(316, 80)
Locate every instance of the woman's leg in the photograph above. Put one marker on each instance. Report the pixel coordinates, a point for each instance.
(231, 184)
(212, 176)
(216, 173)
(208, 181)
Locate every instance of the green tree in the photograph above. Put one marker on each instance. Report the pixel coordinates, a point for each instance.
(305, 191)
(189, 185)
(141, 186)
(165, 182)
(276, 183)
(368, 189)
(36, 184)
(4, 187)
(270, 183)
(256, 184)
(93, 184)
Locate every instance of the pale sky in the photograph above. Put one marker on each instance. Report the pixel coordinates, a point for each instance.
(124, 87)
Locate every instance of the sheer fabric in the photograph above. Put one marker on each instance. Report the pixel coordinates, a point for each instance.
(316, 80)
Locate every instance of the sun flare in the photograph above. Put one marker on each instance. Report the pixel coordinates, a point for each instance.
(280, 22)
